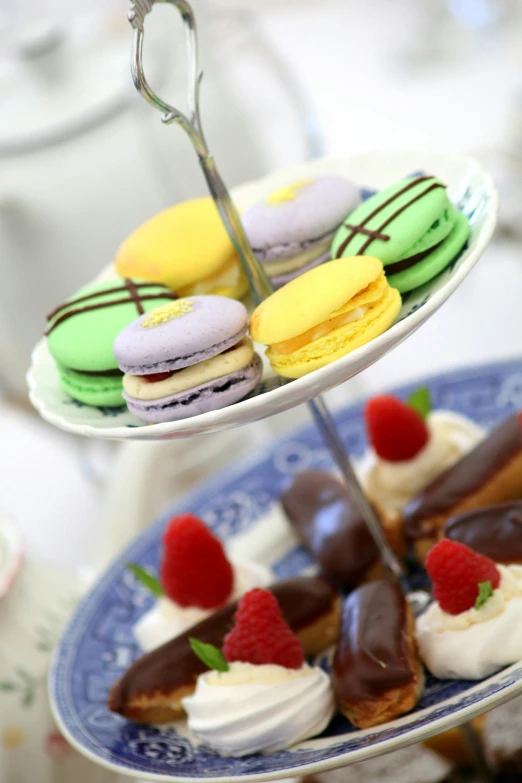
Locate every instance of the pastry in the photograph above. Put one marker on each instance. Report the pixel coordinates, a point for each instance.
(502, 737)
(490, 473)
(188, 357)
(329, 525)
(183, 598)
(411, 226)
(474, 626)
(452, 744)
(291, 230)
(494, 531)
(152, 689)
(376, 672)
(187, 248)
(260, 695)
(414, 764)
(81, 332)
(409, 450)
(324, 314)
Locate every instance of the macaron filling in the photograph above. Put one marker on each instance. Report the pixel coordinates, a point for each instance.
(353, 310)
(163, 385)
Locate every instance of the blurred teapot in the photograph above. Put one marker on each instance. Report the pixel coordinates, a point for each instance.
(83, 160)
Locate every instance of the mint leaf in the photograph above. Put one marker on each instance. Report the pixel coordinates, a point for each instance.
(210, 655)
(485, 591)
(420, 401)
(149, 581)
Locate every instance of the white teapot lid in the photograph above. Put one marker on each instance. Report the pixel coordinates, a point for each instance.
(56, 85)
(11, 553)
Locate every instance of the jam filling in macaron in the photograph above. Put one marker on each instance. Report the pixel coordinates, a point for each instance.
(186, 358)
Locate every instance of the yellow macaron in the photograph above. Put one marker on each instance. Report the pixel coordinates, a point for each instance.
(187, 249)
(324, 314)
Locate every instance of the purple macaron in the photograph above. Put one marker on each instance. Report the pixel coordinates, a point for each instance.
(292, 229)
(186, 358)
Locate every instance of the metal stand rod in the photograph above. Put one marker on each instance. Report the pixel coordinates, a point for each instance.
(257, 278)
(326, 426)
(474, 744)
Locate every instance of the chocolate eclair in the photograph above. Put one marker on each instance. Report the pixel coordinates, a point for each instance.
(490, 473)
(377, 674)
(330, 527)
(494, 531)
(152, 689)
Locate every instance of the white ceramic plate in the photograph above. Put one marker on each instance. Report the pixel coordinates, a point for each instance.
(469, 187)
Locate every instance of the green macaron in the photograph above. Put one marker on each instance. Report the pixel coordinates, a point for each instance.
(81, 333)
(412, 227)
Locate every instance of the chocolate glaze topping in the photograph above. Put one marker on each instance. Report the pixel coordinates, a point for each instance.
(373, 654)
(329, 525)
(376, 233)
(465, 477)
(303, 600)
(494, 531)
(129, 289)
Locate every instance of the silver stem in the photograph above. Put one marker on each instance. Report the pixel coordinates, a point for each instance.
(480, 761)
(256, 276)
(326, 426)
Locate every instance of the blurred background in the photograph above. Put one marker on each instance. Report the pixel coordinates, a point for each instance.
(83, 161)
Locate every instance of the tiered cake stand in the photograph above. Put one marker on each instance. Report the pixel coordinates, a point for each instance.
(98, 645)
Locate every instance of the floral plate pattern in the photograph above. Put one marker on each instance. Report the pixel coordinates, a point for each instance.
(98, 645)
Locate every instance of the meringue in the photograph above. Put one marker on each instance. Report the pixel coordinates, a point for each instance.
(251, 708)
(475, 643)
(392, 485)
(167, 619)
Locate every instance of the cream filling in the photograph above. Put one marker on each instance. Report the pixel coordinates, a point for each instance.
(259, 708)
(191, 377)
(392, 485)
(166, 619)
(229, 278)
(301, 259)
(316, 332)
(475, 643)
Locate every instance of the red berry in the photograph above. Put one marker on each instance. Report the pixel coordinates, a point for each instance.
(456, 571)
(157, 376)
(260, 634)
(396, 431)
(195, 570)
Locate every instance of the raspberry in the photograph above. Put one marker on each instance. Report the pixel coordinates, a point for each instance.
(260, 634)
(395, 430)
(456, 571)
(194, 569)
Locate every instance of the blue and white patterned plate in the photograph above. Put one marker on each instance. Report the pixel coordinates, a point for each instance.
(469, 187)
(98, 645)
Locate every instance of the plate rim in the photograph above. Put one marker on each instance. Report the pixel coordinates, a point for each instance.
(414, 735)
(251, 410)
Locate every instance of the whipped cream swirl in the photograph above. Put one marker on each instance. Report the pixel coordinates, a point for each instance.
(259, 708)
(475, 643)
(392, 485)
(167, 619)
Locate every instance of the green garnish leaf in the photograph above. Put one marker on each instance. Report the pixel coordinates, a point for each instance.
(485, 591)
(147, 579)
(420, 401)
(210, 655)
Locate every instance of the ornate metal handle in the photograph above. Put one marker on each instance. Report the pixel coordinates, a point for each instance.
(255, 274)
(257, 278)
